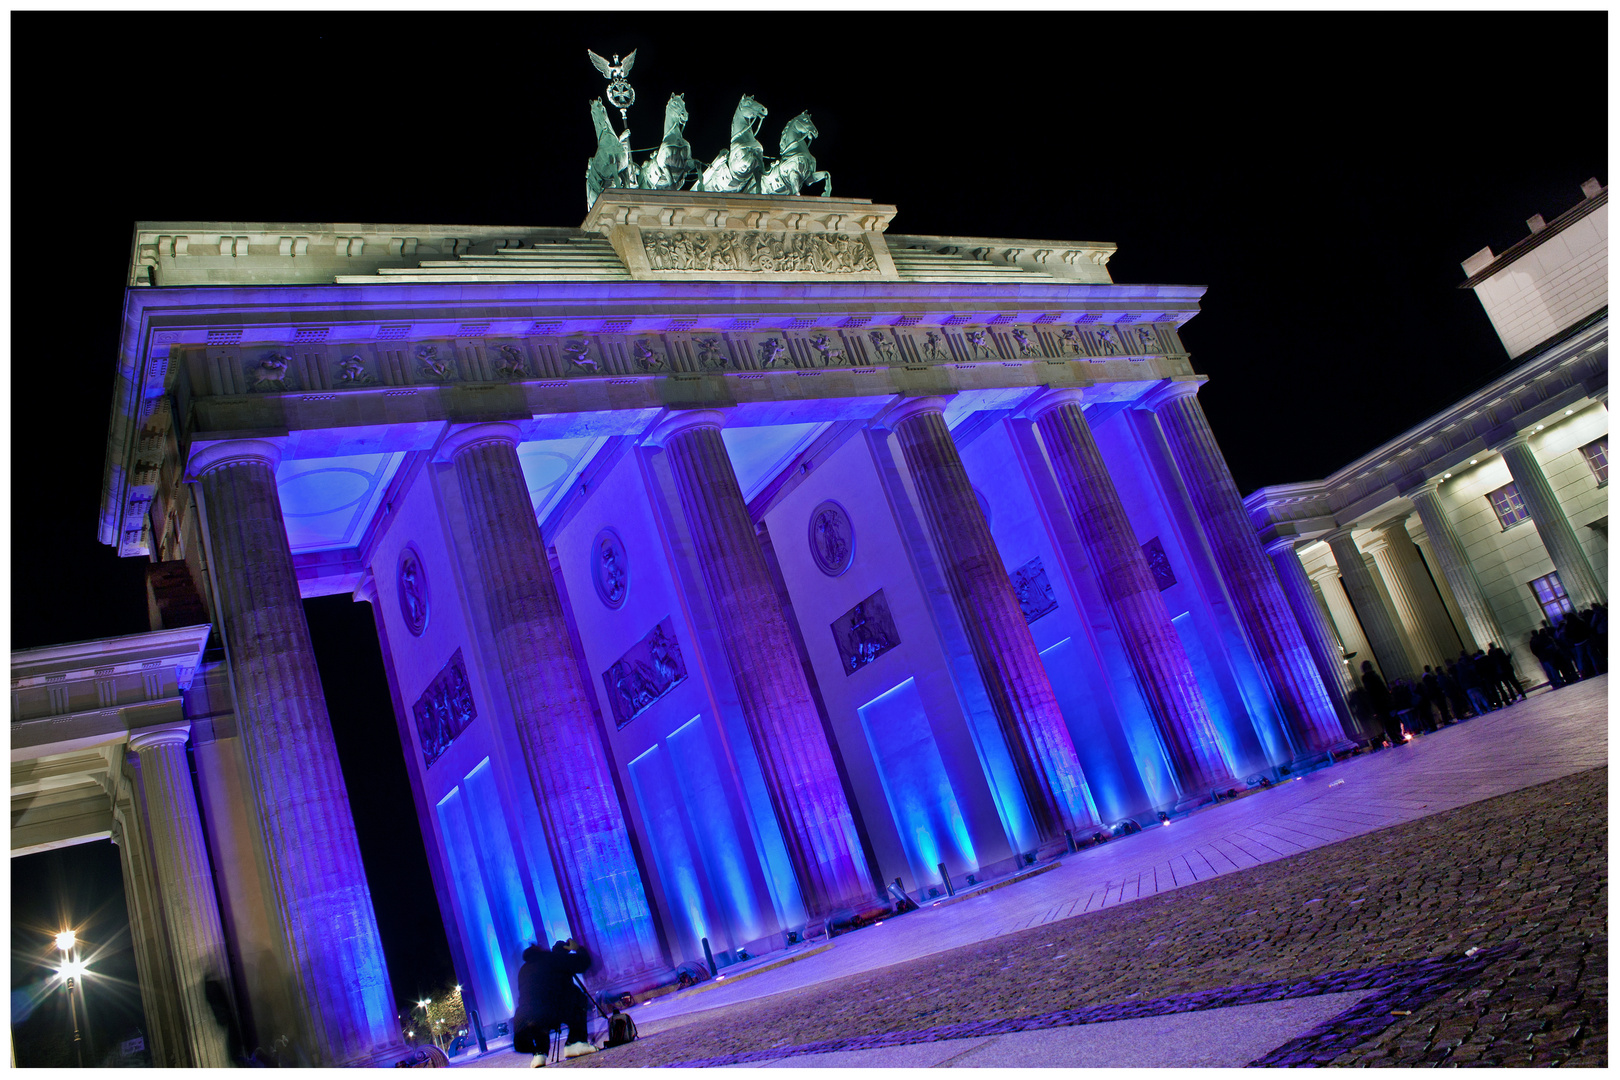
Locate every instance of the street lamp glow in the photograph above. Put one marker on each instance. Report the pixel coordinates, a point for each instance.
(66, 940)
(73, 969)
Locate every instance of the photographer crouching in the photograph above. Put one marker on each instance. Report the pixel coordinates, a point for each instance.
(548, 998)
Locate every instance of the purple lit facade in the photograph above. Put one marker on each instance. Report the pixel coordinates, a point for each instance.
(580, 496)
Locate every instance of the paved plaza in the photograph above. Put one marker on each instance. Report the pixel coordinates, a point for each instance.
(1440, 902)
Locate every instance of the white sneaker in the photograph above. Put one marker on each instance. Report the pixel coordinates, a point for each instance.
(538, 1061)
(579, 1049)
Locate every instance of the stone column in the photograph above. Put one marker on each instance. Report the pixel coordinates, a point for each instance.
(601, 888)
(1456, 566)
(1568, 557)
(1010, 666)
(1271, 625)
(154, 970)
(1377, 622)
(1155, 651)
(338, 979)
(1343, 617)
(186, 887)
(1313, 623)
(1421, 610)
(1459, 624)
(817, 824)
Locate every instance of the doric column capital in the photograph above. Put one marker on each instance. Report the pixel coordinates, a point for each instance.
(214, 455)
(476, 435)
(906, 408)
(1278, 545)
(159, 735)
(1521, 439)
(1396, 522)
(1341, 533)
(683, 420)
(1171, 390)
(1051, 398)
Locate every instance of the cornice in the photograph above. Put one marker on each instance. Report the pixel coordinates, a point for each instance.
(100, 657)
(1533, 392)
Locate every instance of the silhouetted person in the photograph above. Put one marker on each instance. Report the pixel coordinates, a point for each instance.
(1381, 703)
(1468, 675)
(1597, 618)
(1505, 678)
(1436, 694)
(548, 998)
(1545, 652)
(1576, 638)
(1452, 682)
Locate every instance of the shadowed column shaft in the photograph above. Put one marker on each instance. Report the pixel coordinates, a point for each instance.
(1014, 676)
(153, 966)
(186, 885)
(602, 891)
(1377, 621)
(1415, 596)
(1457, 568)
(1272, 628)
(789, 740)
(1313, 623)
(1557, 535)
(1156, 653)
(339, 979)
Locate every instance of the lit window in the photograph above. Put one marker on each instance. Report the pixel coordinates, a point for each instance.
(1550, 595)
(1597, 456)
(1509, 506)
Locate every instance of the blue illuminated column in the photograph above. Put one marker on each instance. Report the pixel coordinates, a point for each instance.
(601, 887)
(1262, 608)
(1019, 689)
(1313, 622)
(337, 979)
(1157, 655)
(778, 709)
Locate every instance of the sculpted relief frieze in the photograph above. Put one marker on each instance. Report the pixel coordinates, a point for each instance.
(638, 350)
(757, 252)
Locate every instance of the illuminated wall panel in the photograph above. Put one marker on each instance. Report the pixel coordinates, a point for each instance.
(478, 927)
(504, 885)
(919, 792)
(1105, 757)
(696, 769)
(659, 796)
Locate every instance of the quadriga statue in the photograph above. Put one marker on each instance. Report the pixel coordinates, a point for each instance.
(741, 166)
(796, 167)
(610, 167)
(671, 165)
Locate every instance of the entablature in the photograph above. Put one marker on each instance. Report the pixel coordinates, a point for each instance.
(244, 360)
(1380, 482)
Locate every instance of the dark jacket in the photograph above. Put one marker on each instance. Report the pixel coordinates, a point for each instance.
(1377, 692)
(546, 990)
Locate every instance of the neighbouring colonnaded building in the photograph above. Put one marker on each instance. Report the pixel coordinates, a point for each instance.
(731, 556)
(1489, 517)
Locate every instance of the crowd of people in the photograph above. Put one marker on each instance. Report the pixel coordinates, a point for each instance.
(1469, 686)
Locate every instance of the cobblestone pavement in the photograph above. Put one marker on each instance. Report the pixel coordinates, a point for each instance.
(1520, 878)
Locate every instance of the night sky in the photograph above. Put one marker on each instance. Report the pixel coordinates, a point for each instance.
(1323, 176)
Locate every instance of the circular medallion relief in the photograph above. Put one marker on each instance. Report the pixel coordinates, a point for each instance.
(413, 591)
(832, 538)
(609, 568)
